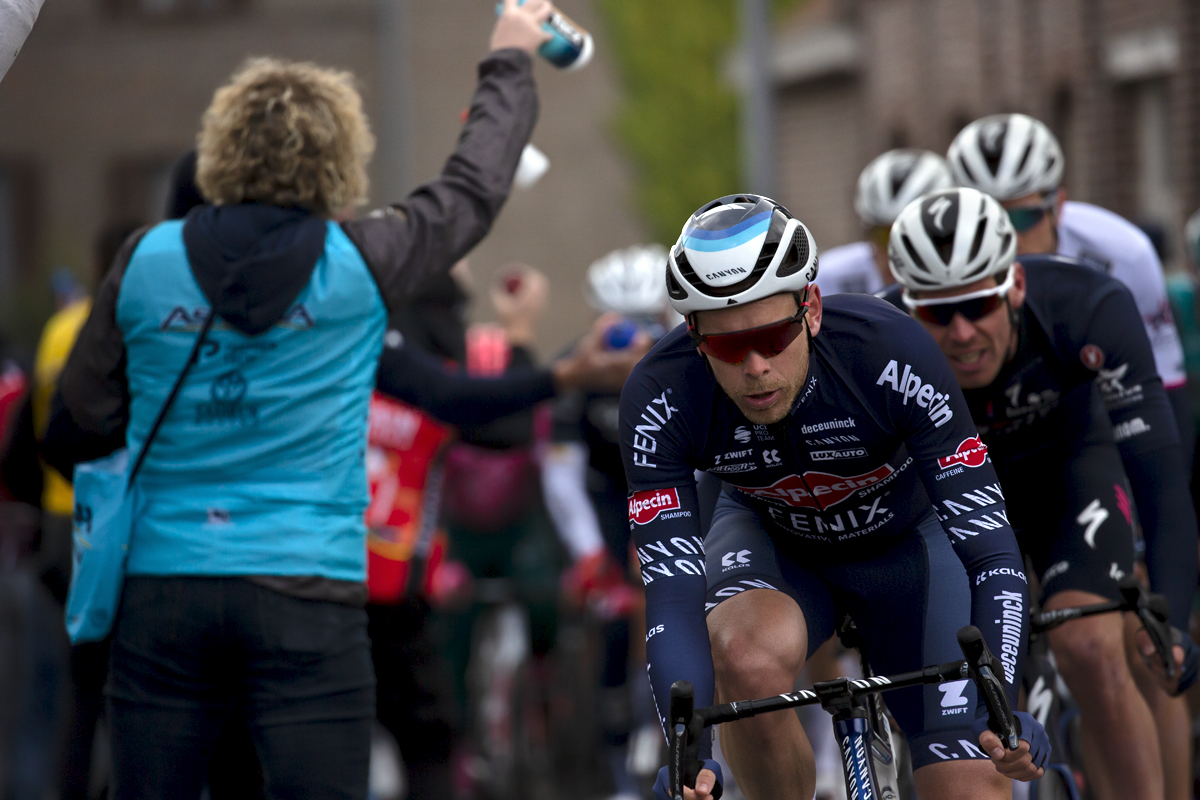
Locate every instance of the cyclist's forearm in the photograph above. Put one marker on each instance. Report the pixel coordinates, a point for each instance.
(1168, 522)
(1000, 605)
(677, 644)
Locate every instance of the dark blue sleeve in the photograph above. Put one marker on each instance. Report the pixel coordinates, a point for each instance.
(927, 408)
(412, 376)
(665, 523)
(1147, 435)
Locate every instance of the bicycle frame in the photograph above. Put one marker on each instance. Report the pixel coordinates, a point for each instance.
(844, 698)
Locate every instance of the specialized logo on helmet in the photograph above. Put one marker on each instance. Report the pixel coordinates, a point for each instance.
(644, 507)
(971, 453)
(991, 140)
(819, 490)
(936, 211)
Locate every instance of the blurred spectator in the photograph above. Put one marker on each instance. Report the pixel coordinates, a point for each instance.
(16, 21)
(58, 337)
(584, 483)
(245, 585)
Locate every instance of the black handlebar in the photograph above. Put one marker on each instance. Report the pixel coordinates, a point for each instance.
(685, 748)
(1154, 611)
(985, 670)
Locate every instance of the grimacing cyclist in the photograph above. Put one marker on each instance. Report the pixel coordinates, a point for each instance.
(1017, 160)
(840, 431)
(1059, 376)
(885, 186)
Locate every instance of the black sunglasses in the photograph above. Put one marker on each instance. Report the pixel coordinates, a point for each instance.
(1026, 217)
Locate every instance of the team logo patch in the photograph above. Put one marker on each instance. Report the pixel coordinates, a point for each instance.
(971, 453)
(645, 506)
(1092, 357)
(819, 490)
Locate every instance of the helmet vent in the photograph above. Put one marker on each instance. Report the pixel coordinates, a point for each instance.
(912, 253)
(796, 256)
(978, 241)
(674, 290)
(962, 163)
(1025, 156)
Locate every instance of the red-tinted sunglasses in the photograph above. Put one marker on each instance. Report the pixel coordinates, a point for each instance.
(766, 340)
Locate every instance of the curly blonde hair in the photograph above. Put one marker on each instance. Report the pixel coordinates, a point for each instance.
(288, 134)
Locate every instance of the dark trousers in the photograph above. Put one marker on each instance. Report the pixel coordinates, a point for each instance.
(188, 652)
(416, 695)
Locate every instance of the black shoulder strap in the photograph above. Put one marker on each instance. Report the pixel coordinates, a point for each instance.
(162, 412)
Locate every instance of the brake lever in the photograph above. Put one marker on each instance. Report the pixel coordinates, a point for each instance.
(1153, 610)
(684, 766)
(984, 669)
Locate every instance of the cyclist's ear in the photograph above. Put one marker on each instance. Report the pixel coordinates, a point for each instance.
(814, 308)
(1016, 295)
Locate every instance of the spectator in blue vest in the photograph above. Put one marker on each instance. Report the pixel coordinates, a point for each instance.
(245, 574)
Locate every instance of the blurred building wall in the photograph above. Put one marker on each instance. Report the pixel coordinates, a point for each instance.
(108, 93)
(1117, 80)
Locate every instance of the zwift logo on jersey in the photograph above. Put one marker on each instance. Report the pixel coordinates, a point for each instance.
(645, 506)
(911, 386)
(819, 490)
(970, 453)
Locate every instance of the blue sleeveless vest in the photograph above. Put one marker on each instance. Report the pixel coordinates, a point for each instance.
(259, 467)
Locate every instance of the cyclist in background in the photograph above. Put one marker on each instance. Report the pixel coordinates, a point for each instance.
(885, 187)
(1061, 381)
(836, 424)
(584, 483)
(1018, 161)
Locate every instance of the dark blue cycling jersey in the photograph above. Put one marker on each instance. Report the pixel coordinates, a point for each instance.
(879, 435)
(1084, 373)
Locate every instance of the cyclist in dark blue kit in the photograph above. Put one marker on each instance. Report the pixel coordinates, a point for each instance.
(848, 447)
(1060, 378)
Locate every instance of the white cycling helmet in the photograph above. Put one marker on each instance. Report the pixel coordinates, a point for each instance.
(1007, 156)
(950, 238)
(628, 281)
(739, 249)
(895, 179)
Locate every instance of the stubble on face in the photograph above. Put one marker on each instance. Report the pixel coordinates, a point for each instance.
(762, 389)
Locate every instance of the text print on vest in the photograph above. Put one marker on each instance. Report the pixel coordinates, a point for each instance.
(657, 414)
(911, 386)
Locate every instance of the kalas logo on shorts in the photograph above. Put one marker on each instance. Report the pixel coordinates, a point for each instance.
(971, 453)
(818, 490)
(645, 506)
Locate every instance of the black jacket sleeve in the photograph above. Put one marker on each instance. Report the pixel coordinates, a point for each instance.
(441, 221)
(450, 394)
(93, 386)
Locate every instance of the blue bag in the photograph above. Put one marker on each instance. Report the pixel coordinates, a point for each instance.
(106, 504)
(104, 513)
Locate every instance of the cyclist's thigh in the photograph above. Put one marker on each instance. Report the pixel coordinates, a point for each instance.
(1092, 544)
(909, 602)
(741, 555)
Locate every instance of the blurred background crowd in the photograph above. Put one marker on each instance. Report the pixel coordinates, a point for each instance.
(526, 691)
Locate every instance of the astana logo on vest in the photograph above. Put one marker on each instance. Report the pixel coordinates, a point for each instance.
(228, 406)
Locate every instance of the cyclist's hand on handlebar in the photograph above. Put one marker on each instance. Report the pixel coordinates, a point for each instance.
(1025, 763)
(1187, 659)
(708, 783)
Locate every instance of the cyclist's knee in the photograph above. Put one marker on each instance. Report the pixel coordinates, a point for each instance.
(1091, 650)
(759, 642)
